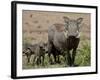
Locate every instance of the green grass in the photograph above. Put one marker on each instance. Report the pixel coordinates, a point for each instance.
(83, 58)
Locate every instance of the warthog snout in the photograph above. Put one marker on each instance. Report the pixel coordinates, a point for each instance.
(71, 37)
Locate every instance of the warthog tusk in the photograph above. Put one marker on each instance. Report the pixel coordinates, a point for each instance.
(65, 34)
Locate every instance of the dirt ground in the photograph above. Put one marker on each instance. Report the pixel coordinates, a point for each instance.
(35, 25)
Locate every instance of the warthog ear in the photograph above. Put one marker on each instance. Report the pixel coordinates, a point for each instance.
(66, 19)
(79, 20)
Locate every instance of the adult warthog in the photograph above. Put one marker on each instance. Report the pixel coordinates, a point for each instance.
(62, 38)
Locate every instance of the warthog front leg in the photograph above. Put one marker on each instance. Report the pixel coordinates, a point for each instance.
(68, 58)
(73, 57)
(38, 61)
(34, 60)
(28, 58)
(42, 60)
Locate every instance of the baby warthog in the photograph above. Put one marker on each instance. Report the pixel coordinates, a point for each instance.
(64, 37)
(38, 50)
